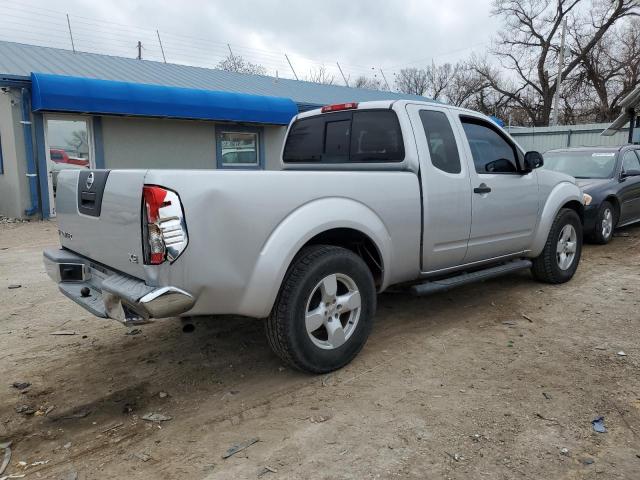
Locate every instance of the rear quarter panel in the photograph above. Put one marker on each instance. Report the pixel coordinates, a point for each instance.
(245, 227)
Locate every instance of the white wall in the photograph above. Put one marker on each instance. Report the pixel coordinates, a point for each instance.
(273, 140)
(165, 143)
(158, 143)
(14, 185)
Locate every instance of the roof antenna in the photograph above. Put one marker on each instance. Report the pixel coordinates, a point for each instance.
(73, 47)
(139, 50)
(161, 48)
(385, 80)
(346, 82)
(294, 72)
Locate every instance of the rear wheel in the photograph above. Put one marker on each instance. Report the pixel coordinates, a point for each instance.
(605, 223)
(561, 254)
(324, 311)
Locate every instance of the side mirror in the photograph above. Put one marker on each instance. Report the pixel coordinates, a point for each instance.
(629, 173)
(532, 160)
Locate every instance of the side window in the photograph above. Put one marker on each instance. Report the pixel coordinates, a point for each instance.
(492, 153)
(442, 144)
(630, 161)
(346, 137)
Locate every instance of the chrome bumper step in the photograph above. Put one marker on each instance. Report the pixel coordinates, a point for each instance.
(109, 294)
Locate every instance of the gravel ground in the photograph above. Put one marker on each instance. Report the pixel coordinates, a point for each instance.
(498, 380)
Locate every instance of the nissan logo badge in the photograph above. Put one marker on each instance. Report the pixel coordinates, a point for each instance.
(90, 180)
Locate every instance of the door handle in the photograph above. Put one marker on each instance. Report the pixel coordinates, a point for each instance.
(483, 188)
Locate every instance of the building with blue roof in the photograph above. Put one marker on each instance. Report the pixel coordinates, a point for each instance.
(61, 109)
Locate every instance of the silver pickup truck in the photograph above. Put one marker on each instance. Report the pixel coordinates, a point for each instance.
(416, 195)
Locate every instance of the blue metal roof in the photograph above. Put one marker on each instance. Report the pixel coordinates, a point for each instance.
(21, 60)
(74, 94)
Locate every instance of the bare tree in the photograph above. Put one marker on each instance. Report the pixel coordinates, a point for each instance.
(464, 86)
(368, 83)
(609, 72)
(413, 81)
(320, 75)
(236, 63)
(527, 46)
(440, 78)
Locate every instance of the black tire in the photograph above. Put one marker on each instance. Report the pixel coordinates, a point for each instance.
(546, 266)
(286, 326)
(599, 235)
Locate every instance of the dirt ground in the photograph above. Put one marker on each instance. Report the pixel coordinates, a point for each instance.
(497, 380)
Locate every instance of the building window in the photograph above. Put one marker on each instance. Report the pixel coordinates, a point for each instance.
(239, 147)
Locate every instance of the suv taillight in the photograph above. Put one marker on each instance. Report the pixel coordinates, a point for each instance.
(164, 229)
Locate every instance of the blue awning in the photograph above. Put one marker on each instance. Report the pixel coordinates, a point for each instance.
(58, 93)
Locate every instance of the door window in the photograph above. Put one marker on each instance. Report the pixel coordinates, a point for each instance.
(68, 146)
(442, 144)
(68, 142)
(630, 161)
(491, 152)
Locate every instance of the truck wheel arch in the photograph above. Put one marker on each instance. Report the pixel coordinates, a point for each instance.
(564, 195)
(334, 221)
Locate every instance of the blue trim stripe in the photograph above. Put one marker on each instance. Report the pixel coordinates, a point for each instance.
(60, 93)
(32, 169)
(43, 170)
(98, 144)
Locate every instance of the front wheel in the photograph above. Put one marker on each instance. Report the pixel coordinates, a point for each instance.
(561, 254)
(605, 223)
(324, 312)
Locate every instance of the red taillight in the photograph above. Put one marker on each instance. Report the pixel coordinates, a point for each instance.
(339, 106)
(166, 234)
(154, 198)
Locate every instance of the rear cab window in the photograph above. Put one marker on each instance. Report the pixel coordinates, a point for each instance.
(357, 136)
(442, 144)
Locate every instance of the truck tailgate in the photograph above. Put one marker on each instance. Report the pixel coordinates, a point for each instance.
(99, 216)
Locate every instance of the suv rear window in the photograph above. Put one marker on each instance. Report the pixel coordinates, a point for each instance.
(346, 137)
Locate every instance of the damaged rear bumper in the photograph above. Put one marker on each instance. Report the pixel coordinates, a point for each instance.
(109, 294)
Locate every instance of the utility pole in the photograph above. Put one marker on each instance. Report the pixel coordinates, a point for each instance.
(556, 107)
(385, 79)
(161, 48)
(139, 50)
(343, 77)
(73, 47)
(294, 72)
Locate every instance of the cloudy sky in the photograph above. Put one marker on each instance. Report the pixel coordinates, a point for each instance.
(363, 35)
